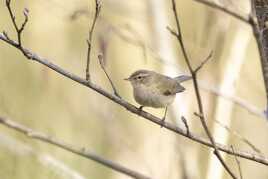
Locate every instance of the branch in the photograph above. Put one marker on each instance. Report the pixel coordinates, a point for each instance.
(13, 19)
(82, 151)
(203, 62)
(238, 164)
(32, 56)
(90, 34)
(225, 10)
(197, 93)
(238, 101)
(21, 149)
(258, 19)
(246, 141)
(185, 124)
(257, 22)
(131, 107)
(111, 82)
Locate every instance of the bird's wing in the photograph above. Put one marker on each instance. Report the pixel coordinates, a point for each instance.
(170, 88)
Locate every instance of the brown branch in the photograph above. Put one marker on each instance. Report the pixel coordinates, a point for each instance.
(32, 56)
(238, 164)
(225, 10)
(197, 93)
(90, 34)
(258, 19)
(246, 141)
(257, 22)
(185, 124)
(238, 101)
(203, 62)
(106, 74)
(13, 19)
(71, 148)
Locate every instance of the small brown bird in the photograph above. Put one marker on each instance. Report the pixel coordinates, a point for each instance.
(155, 90)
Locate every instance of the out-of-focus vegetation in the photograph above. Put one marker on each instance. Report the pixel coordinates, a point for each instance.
(129, 32)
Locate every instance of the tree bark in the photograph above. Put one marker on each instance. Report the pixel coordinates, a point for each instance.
(260, 7)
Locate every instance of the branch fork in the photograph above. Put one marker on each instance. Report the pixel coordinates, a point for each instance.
(30, 55)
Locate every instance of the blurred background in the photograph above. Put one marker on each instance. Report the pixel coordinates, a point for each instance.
(131, 35)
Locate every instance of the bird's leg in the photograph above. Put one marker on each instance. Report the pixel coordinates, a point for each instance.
(163, 119)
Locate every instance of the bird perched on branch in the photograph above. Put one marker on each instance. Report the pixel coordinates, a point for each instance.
(152, 89)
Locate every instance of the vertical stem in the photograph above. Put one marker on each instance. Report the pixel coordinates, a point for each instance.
(197, 93)
(259, 10)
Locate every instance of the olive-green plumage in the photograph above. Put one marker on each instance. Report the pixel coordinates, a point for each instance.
(155, 90)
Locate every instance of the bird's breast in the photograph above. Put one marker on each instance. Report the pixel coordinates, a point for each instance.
(150, 97)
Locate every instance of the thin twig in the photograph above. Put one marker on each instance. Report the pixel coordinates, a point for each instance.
(110, 80)
(224, 9)
(186, 125)
(252, 146)
(173, 32)
(13, 19)
(198, 96)
(147, 49)
(238, 101)
(234, 99)
(79, 151)
(30, 55)
(257, 31)
(252, 109)
(203, 62)
(20, 149)
(238, 164)
(236, 134)
(90, 34)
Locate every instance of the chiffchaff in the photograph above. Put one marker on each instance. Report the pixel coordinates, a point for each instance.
(155, 90)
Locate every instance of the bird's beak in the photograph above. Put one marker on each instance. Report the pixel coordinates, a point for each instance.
(127, 79)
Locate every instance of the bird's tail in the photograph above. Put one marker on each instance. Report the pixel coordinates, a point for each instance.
(182, 78)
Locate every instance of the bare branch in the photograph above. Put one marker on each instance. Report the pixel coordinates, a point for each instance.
(173, 32)
(13, 19)
(198, 96)
(185, 124)
(238, 164)
(254, 110)
(111, 82)
(90, 34)
(225, 10)
(236, 134)
(82, 151)
(19, 148)
(30, 55)
(203, 62)
(234, 99)
(257, 22)
(258, 19)
(246, 141)
(238, 101)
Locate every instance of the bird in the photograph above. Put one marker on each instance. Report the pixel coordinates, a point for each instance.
(152, 89)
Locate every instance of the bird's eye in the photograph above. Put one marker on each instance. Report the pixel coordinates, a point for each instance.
(139, 77)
